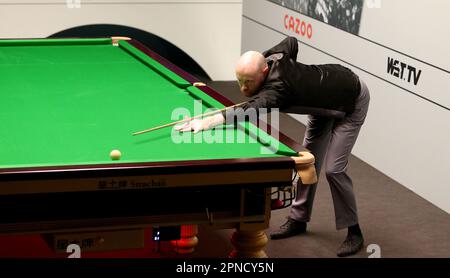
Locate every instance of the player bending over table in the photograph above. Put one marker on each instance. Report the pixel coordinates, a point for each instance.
(337, 102)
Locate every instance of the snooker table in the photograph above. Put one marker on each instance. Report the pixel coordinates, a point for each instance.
(65, 104)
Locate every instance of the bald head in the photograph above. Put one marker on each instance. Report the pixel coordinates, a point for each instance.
(251, 62)
(251, 69)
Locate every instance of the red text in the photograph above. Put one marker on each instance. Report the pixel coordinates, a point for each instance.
(298, 26)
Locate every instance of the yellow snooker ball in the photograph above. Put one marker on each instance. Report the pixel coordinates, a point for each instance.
(115, 155)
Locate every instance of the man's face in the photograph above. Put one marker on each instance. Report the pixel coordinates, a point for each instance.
(249, 83)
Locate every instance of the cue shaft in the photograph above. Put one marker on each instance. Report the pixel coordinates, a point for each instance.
(188, 119)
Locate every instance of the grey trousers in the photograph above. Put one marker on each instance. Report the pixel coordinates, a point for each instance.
(331, 141)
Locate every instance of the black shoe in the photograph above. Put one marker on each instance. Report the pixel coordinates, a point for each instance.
(290, 228)
(351, 245)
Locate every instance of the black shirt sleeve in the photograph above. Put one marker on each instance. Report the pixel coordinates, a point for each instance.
(288, 46)
(269, 97)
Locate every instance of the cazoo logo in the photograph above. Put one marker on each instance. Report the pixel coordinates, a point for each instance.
(298, 26)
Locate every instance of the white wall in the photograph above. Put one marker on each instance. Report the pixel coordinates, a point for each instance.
(214, 23)
(407, 131)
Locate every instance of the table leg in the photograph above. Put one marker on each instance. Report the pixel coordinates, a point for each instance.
(188, 240)
(249, 244)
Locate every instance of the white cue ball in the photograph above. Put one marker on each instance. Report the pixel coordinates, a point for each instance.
(115, 155)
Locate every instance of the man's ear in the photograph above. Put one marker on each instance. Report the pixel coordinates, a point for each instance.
(266, 69)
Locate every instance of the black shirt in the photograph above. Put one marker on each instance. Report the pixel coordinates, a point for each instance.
(326, 90)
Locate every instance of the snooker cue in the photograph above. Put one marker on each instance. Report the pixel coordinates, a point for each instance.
(188, 119)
